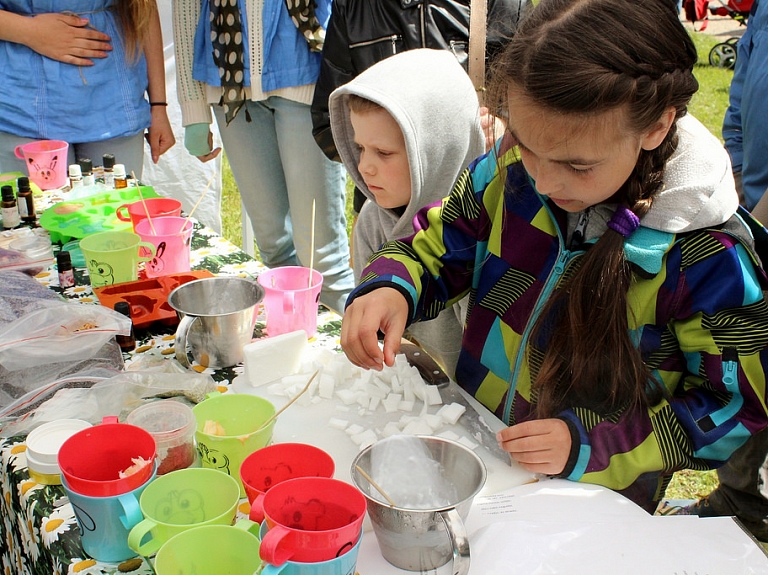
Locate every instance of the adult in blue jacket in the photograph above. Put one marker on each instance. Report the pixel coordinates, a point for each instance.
(745, 128)
(262, 109)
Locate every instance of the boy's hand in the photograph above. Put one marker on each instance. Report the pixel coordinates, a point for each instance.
(382, 309)
(539, 446)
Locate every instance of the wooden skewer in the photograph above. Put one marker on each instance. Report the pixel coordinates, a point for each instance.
(375, 485)
(197, 203)
(287, 405)
(143, 202)
(311, 246)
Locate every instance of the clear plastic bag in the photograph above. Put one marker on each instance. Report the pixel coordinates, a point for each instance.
(69, 332)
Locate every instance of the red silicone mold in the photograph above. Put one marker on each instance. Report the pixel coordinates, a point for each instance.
(148, 298)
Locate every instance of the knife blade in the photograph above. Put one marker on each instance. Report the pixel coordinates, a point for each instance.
(471, 420)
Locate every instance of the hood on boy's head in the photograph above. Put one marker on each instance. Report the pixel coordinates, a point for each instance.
(433, 101)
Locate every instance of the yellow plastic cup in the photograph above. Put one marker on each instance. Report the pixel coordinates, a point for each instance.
(113, 257)
(237, 418)
(231, 549)
(181, 500)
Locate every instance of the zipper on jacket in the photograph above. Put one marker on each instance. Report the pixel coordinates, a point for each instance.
(392, 38)
(555, 274)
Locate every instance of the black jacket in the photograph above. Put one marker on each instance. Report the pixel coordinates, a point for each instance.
(362, 32)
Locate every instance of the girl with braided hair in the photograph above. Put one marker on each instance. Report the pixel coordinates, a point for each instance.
(616, 321)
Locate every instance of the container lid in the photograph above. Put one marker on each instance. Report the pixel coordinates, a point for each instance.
(43, 443)
(63, 260)
(33, 247)
(86, 165)
(8, 195)
(75, 171)
(108, 160)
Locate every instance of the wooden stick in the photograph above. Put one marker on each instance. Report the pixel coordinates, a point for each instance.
(143, 202)
(287, 405)
(311, 246)
(197, 203)
(375, 485)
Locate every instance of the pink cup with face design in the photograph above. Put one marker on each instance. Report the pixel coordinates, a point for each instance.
(171, 236)
(46, 162)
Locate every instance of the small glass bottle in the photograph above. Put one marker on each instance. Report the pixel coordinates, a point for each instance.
(108, 163)
(86, 167)
(64, 266)
(121, 179)
(26, 201)
(11, 217)
(75, 176)
(126, 342)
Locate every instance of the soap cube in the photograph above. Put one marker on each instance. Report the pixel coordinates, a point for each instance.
(268, 359)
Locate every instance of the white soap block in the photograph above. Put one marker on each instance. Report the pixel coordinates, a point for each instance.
(451, 412)
(391, 428)
(434, 421)
(448, 434)
(338, 423)
(268, 359)
(417, 427)
(467, 442)
(327, 385)
(354, 429)
(375, 401)
(432, 395)
(368, 437)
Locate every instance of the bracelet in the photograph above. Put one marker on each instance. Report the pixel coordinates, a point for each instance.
(158, 103)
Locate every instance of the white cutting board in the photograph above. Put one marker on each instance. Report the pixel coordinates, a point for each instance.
(310, 424)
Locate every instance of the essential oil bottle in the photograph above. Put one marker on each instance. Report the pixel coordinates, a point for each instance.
(108, 163)
(11, 217)
(126, 342)
(64, 267)
(25, 201)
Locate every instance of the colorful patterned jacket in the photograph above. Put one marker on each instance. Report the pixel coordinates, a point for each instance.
(697, 313)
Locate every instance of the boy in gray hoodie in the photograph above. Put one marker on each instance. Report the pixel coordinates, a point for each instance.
(405, 129)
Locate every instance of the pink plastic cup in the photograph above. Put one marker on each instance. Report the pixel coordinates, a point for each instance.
(157, 208)
(171, 236)
(290, 300)
(46, 162)
(269, 466)
(311, 519)
(91, 460)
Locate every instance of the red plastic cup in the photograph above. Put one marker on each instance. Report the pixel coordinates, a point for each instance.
(311, 519)
(157, 208)
(268, 466)
(91, 460)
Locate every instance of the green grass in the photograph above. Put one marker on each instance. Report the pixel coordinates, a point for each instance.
(708, 105)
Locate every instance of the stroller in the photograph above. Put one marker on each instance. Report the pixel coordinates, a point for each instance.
(723, 54)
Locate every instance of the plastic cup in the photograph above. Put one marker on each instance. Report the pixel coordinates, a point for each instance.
(311, 519)
(105, 522)
(182, 500)
(91, 460)
(239, 416)
(157, 208)
(46, 162)
(113, 257)
(233, 550)
(171, 236)
(343, 565)
(290, 300)
(172, 425)
(265, 468)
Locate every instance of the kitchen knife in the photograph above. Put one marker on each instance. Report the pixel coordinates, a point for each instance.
(471, 420)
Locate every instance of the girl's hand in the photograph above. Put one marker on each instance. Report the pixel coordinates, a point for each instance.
(160, 134)
(539, 446)
(382, 309)
(66, 38)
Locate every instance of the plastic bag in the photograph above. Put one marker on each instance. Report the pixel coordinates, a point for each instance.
(69, 332)
(90, 397)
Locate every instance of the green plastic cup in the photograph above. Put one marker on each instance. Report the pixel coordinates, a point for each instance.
(182, 500)
(113, 257)
(238, 418)
(233, 550)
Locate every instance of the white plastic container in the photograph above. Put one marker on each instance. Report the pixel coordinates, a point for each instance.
(43, 445)
(172, 424)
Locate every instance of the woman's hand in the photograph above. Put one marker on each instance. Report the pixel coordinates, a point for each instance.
(66, 38)
(539, 446)
(382, 309)
(160, 134)
(492, 126)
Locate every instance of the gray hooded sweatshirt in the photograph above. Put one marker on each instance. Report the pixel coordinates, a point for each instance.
(433, 101)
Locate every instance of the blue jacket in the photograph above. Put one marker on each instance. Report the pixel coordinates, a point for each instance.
(287, 59)
(47, 99)
(745, 128)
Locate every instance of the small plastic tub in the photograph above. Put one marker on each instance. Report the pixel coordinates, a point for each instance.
(172, 424)
(43, 445)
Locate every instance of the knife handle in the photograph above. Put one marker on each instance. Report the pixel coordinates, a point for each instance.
(429, 369)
